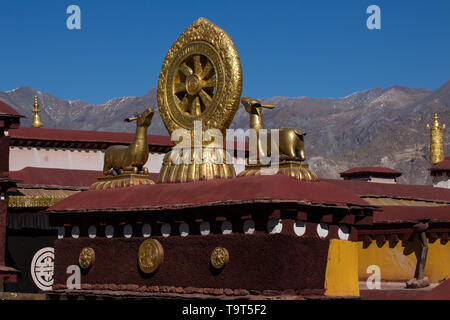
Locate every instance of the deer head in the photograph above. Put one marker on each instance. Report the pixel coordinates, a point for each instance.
(254, 106)
(144, 119)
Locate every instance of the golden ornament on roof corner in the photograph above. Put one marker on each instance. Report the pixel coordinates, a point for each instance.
(125, 164)
(436, 141)
(291, 146)
(200, 80)
(36, 118)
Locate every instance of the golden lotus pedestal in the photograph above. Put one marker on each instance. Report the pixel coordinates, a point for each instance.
(295, 169)
(203, 165)
(121, 181)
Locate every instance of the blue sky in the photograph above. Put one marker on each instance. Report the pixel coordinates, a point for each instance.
(287, 48)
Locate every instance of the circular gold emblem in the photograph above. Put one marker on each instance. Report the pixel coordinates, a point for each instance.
(86, 258)
(219, 257)
(200, 79)
(150, 255)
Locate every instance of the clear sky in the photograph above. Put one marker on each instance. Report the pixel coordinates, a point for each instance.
(287, 48)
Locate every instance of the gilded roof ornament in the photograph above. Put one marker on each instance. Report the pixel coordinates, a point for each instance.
(37, 123)
(436, 140)
(200, 82)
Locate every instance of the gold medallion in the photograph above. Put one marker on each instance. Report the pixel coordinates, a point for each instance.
(200, 79)
(150, 255)
(86, 258)
(219, 257)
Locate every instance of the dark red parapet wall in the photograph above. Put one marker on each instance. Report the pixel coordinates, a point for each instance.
(257, 262)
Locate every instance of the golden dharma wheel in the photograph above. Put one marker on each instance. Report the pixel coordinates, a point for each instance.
(150, 255)
(200, 79)
(86, 258)
(219, 257)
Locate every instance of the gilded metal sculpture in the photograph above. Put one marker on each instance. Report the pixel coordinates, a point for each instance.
(200, 80)
(36, 119)
(436, 141)
(150, 255)
(130, 159)
(291, 143)
(219, 257)
(125, 164)
(86, 258)
(291, 147)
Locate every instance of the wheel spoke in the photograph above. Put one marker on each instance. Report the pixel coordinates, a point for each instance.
(197, 108)
(211, 83)
(197, 65)
(186, 104)
(206, 99)
(208, 71)
(187, 71)
(180, 87)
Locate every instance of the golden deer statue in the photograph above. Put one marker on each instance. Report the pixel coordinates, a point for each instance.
(130, 159)
(291, 141)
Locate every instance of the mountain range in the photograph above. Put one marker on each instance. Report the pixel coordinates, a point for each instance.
(376, 127)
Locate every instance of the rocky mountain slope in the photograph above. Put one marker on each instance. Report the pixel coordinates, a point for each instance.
(385, 127)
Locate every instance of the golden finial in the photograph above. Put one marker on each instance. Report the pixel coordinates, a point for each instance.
(436, 141)
(36, 119)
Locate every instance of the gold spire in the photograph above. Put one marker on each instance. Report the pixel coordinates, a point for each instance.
(36, 119)
(436, 141)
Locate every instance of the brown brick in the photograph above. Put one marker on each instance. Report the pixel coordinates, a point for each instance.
(228, 292)
(217, 292)
(241, 292)
(179, 290)
(113, 287)
(164, 289)
(289, 292)
(153, 289)
(271, 292)
(208, 290)
(188, 290)
(132, 287)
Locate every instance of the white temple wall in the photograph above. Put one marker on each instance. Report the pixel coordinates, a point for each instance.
(77, 159)
(441, 181)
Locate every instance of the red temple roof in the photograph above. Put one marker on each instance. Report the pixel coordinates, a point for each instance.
(252, 189)
(398, 191)
(32, 176)
(444, 165)
(6, 110)
(399, 214)
(371, 170)
(59, 178)
(84, 135)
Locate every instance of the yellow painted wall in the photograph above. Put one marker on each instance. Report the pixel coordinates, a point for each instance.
(341, 276)
(398, 261)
